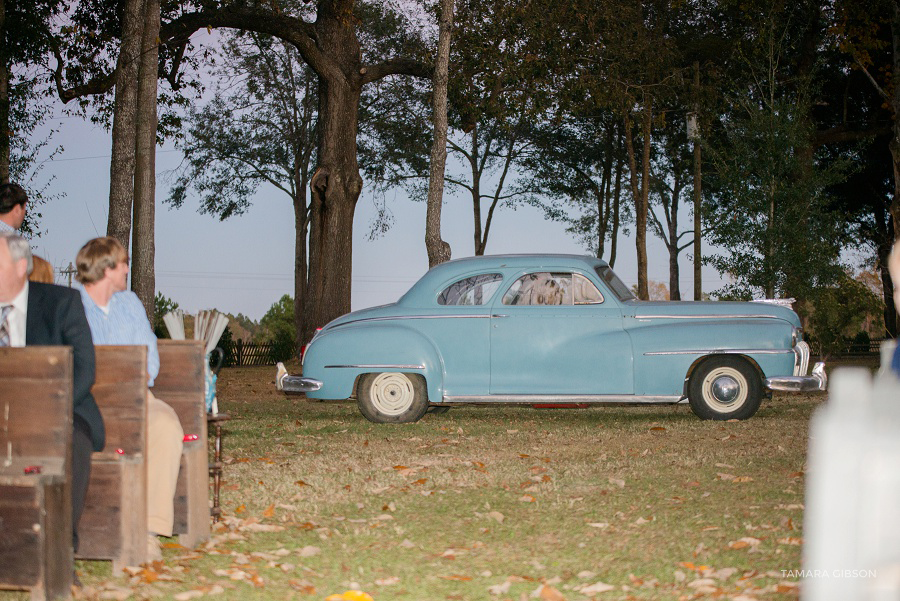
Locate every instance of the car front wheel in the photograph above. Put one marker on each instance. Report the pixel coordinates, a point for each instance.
(392, 397)
(724, 388)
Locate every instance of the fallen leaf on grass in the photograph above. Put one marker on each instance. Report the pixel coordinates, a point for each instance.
(527, 499)
(548, 593)
(617, 482)
(790, 540)
(743, 479)
(600, 525)
(657, 429)
(725, 477)
(743, 543)
(595, 589)
(692, 566)
(304, 586)
(240, 508)
(387, 581)
(496, 515)
(499, 589)
(456, 577)
(705, 586)
(301, 483)
(269, 511)
(116, 593)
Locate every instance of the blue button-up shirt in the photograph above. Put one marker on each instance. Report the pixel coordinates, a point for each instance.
(126, 323)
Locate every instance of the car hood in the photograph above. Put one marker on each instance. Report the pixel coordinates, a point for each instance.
(711, 309)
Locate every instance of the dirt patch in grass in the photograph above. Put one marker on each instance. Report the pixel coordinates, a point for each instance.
(492, 503)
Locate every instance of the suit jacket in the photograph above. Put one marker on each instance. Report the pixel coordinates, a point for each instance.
(56, 317)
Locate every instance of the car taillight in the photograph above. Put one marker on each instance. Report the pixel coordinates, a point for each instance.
(306, 346)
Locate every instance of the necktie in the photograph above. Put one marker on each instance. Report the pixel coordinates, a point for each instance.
(4, 325)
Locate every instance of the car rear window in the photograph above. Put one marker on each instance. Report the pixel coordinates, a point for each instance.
(473, 290)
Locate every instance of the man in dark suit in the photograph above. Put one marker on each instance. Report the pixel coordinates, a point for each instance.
(32, 313)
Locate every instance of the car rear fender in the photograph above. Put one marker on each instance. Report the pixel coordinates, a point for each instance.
(338, 357)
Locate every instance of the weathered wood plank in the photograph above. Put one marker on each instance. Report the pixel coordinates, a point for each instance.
(36, 437)
(181, 384)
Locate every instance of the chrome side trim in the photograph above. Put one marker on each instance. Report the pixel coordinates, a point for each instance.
(616, 399)
(724, 352)
(375, 366)
(704, 317)
(395, 317)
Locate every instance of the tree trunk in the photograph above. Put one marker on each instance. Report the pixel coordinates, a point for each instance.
(4, 99)
(121, 165)
(617, 199)
(143, 246)
(641, 194)
(438, 249)
(301, 227)
(476, 193)
(603, 200)
(887, 284)
(674, 271)
(895, 102)
(698, 197)
(334, 191)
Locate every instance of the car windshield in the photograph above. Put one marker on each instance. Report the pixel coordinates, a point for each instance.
(617, 286)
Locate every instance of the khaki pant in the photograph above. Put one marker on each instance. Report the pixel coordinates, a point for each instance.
(165, 439)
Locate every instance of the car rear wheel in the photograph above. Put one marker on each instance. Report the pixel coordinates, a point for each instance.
(724, 388)
(392, 397)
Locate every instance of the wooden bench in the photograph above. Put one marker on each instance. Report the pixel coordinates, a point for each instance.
(114, 523)
(180, 383)
(36, 508)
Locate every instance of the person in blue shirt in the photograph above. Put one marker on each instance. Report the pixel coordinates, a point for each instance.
(894, 270)
(116, 316)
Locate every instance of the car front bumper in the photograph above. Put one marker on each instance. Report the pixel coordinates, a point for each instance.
(818, 380)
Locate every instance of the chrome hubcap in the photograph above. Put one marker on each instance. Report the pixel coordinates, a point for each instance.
(392, 393)
(725, 389)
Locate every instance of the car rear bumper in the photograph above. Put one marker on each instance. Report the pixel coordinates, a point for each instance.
(818, 380)
(299, 384)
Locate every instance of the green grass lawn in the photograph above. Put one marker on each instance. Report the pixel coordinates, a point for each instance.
(505, 503)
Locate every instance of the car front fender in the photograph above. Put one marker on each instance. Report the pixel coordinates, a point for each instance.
(339, 356)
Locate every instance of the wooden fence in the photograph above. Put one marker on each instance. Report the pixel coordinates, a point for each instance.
(248, 354)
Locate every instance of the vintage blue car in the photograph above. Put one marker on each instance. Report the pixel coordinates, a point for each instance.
(551, 329)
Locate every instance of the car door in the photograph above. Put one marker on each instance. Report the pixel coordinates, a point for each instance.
(554, 332)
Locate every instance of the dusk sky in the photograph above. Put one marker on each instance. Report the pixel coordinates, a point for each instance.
(245, 264)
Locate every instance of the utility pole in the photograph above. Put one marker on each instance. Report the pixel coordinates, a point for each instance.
(69, 272)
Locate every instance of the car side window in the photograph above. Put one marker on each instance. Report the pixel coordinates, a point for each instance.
(541, 288)
(546, 288)
(585, 291)
(474, 290)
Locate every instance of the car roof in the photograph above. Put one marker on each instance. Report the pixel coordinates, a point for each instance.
(423, 291)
